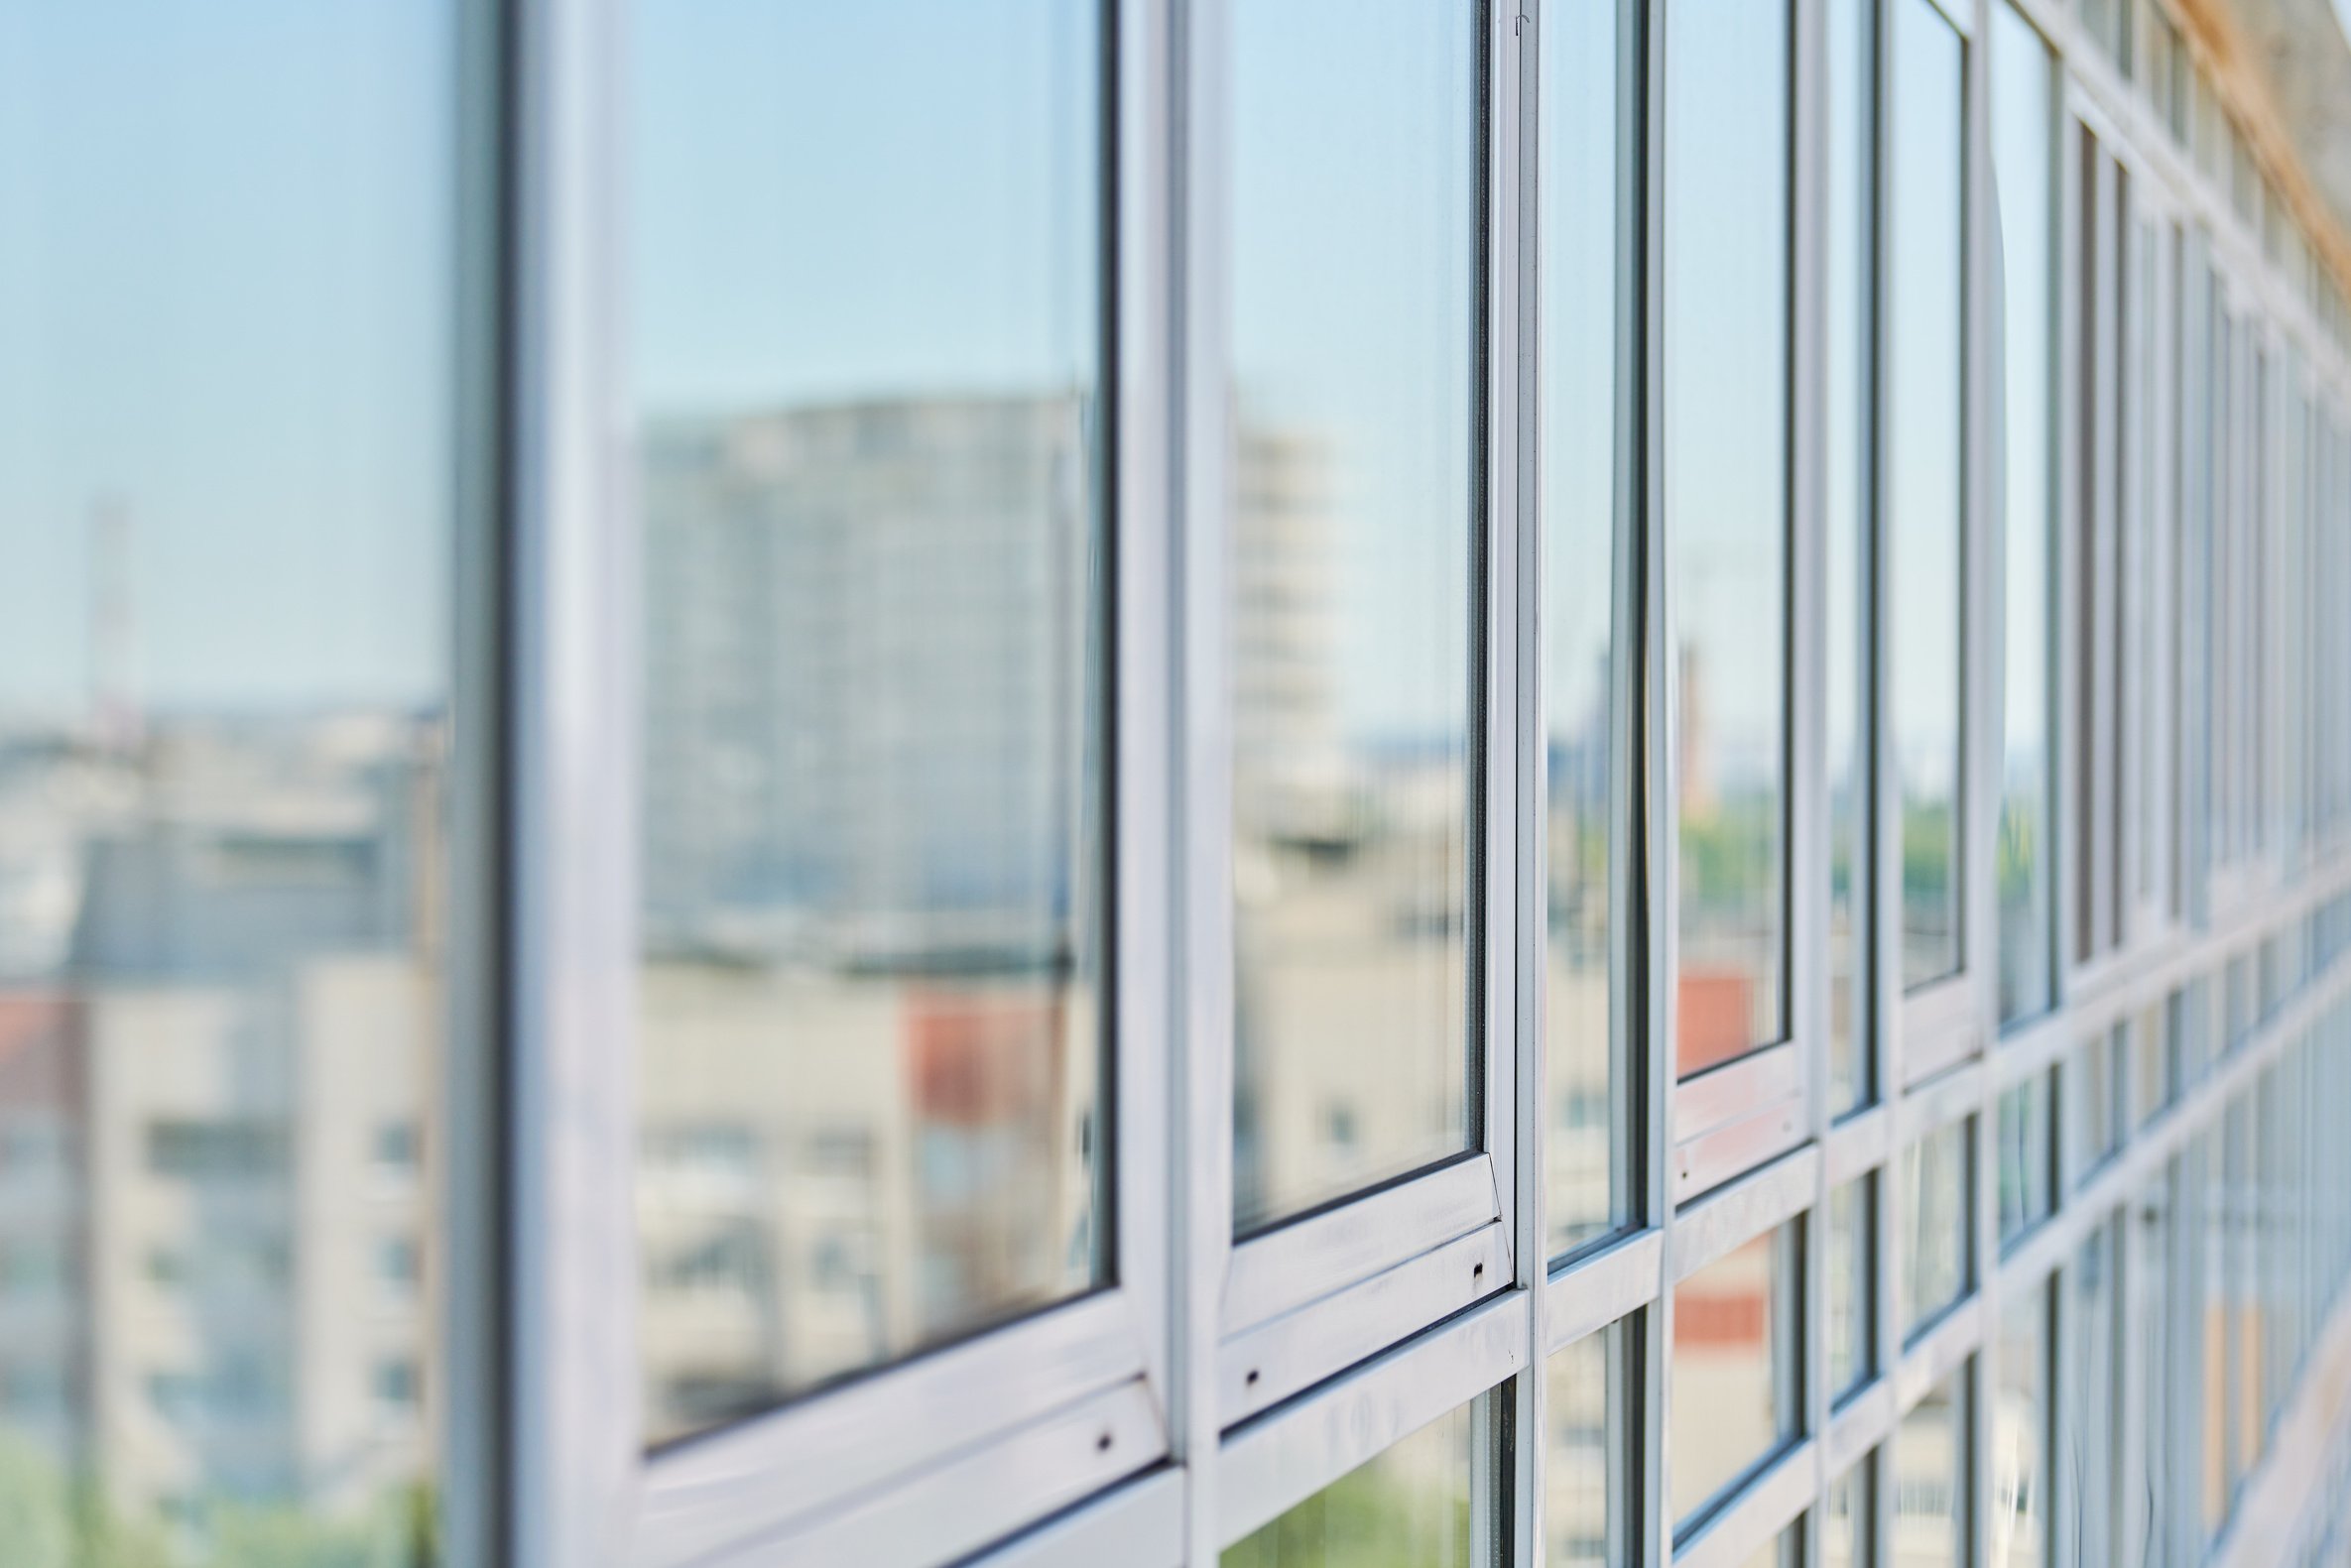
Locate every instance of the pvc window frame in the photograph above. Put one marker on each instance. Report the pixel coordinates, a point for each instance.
(1193, 1464)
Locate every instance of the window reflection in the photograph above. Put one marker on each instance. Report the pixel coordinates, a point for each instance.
(2153, 1051)
(2093, 1092)
(1410, 1505)
(870, 479)
(2027, 1138)
(1726, 432)
(1931, 1479)
(1924, 339)
(2024, 167)
(1851, 1228)
(1845, 1517)
(1355, 201)
(2092, 1341)
(225, 756)
(1580, 466)
(1734, 1392)
(2019, 1436)
(1934, 1224)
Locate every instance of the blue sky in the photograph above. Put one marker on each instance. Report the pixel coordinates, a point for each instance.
(224, 280)
(223, 286)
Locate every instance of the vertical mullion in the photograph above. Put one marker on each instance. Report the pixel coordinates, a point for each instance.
(570, 811)
(1982, 739)
(1657, 687)
(1809, 858)
(1143, 1077)
(1515, 117)
(476, 1517)
(1201, 506)
(1504, 839)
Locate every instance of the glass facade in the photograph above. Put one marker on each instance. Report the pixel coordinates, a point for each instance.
(1085, 781)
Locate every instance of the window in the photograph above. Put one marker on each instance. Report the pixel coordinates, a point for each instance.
(870, 471)
(2103, 792)
(1852, 1229)
(1586, 448)
(2089, 1362)
(2153, 1055)
(1931, 1477)
(1734, 1394)
(1925, 337)
(2019, 1436)
(1935, 1228)
(2024, 169)
(2028, 1138)
(1591, 1443)
(221, 1151)
(1849, 270)
(1354, 637)
(1411, 1505)
(1726, 517)
(396, 1389)
(398, 1267)
(231, 421)
(1845, 1534)
(396, 1148)
(2093, 1091)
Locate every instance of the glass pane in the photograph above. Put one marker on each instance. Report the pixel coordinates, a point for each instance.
(1852, 78)
(1925, 246)
(226, 420)
(1409, 1506)
(2088, 1441)
(1845, 1517)
(2153, 1051)
(1931, 1479)
(1934, 1224)
(2019, 1436)
(1726, 218)
(2249, 1330)
(1355, 201)
(2165, 1413)
(1733, 1378)
(2024, 165)
(1585, 1466)
(1783, 1550)
(871, 447)
(2092, 1092)
(1851, 1226)
(2028, 1155)
(2217, 1363)
(1579, 461)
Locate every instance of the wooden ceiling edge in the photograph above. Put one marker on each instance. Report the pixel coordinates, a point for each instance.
(2212, 28)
